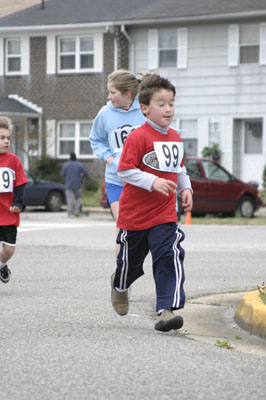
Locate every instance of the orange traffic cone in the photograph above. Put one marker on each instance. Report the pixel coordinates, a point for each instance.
(188, 219)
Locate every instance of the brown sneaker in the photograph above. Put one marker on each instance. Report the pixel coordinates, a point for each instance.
(167, 320)
(119, 299)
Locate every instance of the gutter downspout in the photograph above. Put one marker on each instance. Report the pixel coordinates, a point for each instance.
(131, 44)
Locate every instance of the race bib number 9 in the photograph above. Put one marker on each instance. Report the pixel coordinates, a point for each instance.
(118, 137)
(170, 155)
(7, 177)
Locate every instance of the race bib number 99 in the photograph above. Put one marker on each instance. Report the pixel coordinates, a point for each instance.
(7, 177)
(170, 155)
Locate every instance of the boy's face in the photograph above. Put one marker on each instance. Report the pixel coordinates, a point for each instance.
(118, 99)
(4, 140)
(161, 108)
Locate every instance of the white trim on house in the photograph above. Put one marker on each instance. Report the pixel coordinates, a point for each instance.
(52, 55)
(51, 138)
(262, 55)
(24, 56)
(182, 36)
(233, 45)
(153, 60)
(25, 102)
(2, 56)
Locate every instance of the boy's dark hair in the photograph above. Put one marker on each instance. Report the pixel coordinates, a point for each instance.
(151, 84)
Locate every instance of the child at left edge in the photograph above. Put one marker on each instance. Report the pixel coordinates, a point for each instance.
(12, 183)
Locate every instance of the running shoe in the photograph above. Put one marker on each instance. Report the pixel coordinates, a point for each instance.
(167, 320)
(119, 299)
(5, 274)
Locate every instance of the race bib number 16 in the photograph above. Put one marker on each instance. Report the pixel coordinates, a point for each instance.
(7, 176)
(170, 155)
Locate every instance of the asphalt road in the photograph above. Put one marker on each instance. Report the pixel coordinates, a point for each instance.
(61, 339)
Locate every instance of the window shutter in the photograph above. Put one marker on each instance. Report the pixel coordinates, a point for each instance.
(182, 48)
(1, 56)
(51, 54)
(98, 52)
(262, 44)
(50, 137)
(25, 56)
(152, 49)
(233, 45)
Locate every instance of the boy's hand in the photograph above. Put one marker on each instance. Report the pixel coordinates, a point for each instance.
(14, 209)
(164, 186)
(186, 200)
(110, 159)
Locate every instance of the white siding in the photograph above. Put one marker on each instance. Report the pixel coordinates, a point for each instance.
(209, 88)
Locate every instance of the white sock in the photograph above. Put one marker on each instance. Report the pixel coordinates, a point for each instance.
(2, 264)
(121, 290)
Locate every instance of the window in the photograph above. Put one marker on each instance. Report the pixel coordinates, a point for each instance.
(167, 47)
(13, 56)
(249, 43)
(76, 54)
(193, 168)
(215, 173)
(253, 137)
(246, 44)
(74, 137)
(189, 134)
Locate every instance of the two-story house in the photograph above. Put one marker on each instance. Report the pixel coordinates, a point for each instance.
(55, 58)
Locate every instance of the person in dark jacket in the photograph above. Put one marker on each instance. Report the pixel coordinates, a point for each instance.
(74, 173)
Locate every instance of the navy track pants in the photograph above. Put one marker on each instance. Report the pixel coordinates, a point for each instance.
(167, 258)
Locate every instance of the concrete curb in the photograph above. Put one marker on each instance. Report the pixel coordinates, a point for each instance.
(251, 314)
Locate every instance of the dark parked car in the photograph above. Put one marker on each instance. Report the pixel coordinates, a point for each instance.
(216, 191)
(43, 193)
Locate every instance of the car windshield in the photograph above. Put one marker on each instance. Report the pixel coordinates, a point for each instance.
(193, 169)
(29, 177)
(214, 173)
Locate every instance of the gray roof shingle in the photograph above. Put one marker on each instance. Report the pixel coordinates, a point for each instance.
(8, 105)
(116, 11)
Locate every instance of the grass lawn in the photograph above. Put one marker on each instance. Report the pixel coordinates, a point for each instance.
(90, 198)
(214, 220)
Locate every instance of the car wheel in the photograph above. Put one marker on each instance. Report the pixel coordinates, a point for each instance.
(246, 207)
(54, 201)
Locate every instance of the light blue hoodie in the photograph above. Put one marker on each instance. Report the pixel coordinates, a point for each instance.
(109, 131)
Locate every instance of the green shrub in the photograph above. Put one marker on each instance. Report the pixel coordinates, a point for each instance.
(212, 152)
(47, 168)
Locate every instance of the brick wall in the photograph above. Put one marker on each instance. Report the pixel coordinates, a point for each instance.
(73, 96)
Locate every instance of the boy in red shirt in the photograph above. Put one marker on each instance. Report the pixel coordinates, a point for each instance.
(12, 182)
(150, 163)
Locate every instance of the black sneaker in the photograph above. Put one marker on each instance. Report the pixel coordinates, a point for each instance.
(5, 274)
